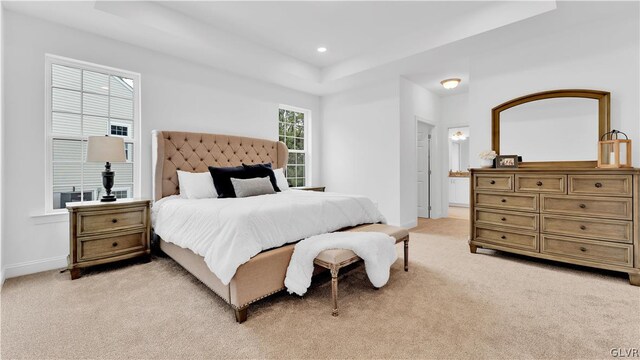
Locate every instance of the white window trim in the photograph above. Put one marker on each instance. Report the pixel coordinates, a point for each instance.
(307, 141)
(136, 140)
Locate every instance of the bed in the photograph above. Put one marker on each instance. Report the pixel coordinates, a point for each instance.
(263, 274)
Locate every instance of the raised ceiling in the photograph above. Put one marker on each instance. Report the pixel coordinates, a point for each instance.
(276, 41)
(347, 29)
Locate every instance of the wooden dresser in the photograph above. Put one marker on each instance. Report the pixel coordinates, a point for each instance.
(104, 232)
(587, 217)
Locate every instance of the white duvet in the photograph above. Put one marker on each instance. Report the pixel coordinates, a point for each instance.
(228, 232)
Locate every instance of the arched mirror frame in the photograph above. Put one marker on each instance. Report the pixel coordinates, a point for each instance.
(604, 122)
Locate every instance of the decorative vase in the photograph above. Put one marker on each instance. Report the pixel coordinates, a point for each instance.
(485, 163)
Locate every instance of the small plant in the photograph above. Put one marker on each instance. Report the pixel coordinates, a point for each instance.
(488, 155)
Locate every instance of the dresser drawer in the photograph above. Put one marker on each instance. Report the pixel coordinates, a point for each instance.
(596, 251)
(541, 183)
(507, 238)
(491, 182)
(95, 247)
(96, 222)
(523, 202)
(602, 207)
(511, 219)
(602, 229)
(610, 185)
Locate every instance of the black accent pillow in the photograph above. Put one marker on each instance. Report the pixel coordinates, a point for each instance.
(222, 177)
(262, 170)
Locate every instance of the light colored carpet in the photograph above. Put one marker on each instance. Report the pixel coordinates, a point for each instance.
(451, 304)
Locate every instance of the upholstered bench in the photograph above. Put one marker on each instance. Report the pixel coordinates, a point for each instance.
(335, 259)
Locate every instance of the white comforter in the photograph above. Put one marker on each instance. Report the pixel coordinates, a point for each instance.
(228, 232)
(378, 251)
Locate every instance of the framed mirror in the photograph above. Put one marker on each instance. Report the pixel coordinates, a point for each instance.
(539, 126)
(459, 151)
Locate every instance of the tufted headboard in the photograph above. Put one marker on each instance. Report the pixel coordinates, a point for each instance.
(195, 152)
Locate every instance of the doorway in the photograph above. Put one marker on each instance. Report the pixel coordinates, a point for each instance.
(424, 146)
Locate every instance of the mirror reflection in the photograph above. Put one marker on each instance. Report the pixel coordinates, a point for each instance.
(541, 130)
(459, 151)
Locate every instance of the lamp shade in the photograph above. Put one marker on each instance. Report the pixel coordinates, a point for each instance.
(105, 149)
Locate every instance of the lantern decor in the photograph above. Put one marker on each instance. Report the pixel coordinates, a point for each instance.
(614, 152)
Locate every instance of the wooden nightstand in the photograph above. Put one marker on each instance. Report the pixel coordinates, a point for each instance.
(104, 232)
(312, 188)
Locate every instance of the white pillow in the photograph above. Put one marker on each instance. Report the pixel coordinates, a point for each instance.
(196, 185)
(281, 180)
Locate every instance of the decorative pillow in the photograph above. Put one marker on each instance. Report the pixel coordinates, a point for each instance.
(222, 179)
(196, 185)
(262, 170)
(281, 180)
(252, 187)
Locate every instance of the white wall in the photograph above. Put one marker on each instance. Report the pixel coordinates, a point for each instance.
(176, 95)
(1, 143)
(418, 101)
(596, 55)
(359, 141)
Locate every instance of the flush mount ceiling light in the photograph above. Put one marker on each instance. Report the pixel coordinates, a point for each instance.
(322, 49)
(450, 83)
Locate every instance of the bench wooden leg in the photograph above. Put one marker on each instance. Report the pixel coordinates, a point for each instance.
(406, 255)
(334, 290)
(241, 314)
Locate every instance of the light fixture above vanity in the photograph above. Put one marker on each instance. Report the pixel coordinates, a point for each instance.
(450, 83)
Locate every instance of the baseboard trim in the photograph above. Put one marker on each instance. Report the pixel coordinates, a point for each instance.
(34, 266)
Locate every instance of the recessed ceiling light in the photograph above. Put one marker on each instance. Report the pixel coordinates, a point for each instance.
(450, 83)
(322, 49)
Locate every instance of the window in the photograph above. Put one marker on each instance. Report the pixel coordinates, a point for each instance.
(84, 100)
(293, 128)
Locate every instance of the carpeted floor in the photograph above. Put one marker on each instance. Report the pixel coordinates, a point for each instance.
(451, 304)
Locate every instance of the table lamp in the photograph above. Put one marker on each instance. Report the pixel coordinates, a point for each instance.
(106, 149)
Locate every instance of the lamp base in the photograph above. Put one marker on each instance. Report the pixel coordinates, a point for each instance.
(108, 198)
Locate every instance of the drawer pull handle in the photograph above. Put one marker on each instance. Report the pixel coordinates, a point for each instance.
(539, 183)
(503, 237)
(504, 219)
(582, 227)
(492, 182)
(598, 185)
(504, 200)
(115, 243)
(114, 220)
(583, 249)
(583, 206)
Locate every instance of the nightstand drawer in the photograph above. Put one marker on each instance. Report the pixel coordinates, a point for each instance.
(108, 221)
(96, 247)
